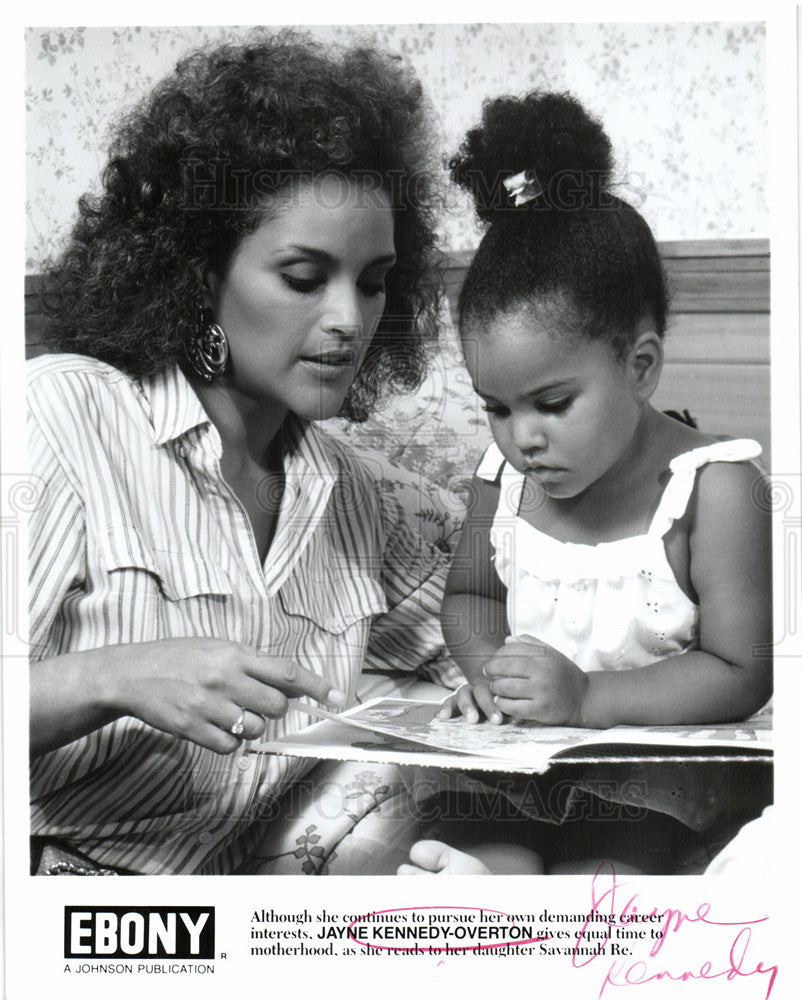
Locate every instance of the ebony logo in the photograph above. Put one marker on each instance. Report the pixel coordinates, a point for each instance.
(140, 931)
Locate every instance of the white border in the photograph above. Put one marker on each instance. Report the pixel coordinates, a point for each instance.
(33, 907)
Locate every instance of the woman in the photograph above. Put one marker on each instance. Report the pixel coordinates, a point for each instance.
(260, 257)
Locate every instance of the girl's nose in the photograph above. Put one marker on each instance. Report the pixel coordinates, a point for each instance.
(527, 433)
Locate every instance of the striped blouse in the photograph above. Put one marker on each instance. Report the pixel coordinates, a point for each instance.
(137, 538)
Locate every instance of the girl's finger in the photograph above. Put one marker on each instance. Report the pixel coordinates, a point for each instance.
(509, 666)
(466, 704)
(260, 698)
(484, 699)
(512, 687)
(411, 870)
(520, 709)
(447, 708)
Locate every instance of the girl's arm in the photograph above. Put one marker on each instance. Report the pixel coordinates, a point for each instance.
(474, 615)
(730, 676)
(726, 679)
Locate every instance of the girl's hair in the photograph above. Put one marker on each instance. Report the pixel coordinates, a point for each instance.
(575, 242)
(188, 176)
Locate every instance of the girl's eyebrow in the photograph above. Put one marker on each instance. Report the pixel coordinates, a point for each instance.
(326, 258)
(565, 383)
(561, 383)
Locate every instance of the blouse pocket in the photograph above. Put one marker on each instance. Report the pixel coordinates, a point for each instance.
(180, 575)
(338, 605)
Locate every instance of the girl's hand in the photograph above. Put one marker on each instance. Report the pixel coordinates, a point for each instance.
(534, 681)
(198, 689)
(471, 700)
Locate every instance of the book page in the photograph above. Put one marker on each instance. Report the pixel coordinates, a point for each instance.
(523, 744)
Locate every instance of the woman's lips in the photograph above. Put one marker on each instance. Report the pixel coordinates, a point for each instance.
(330, 361)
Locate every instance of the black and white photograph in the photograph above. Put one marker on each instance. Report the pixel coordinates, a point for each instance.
(403, 497)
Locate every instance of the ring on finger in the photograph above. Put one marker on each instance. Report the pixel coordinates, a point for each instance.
(238, 728)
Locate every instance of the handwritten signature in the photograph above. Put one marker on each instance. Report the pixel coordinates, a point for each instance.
(607, 896)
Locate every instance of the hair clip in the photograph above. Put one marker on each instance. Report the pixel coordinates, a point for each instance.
(523, 187)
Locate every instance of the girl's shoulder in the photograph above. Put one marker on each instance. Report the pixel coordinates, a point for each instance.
(671, 438)
(679, 449)
(730, 481)
(700, 471)
(716, 488)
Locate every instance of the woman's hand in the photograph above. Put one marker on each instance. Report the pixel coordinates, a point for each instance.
(534, 681)
(193, 688)
(198, 688)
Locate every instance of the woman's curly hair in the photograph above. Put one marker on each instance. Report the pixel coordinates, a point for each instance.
(188, 174)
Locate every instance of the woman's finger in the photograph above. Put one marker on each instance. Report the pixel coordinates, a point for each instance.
(244, 724)
(212, 737)
(257, 697)
(294, 680)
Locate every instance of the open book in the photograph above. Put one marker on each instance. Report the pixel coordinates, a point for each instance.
(401, 731)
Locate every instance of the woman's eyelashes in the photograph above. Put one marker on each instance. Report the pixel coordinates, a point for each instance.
(302, 285)
(369, 287)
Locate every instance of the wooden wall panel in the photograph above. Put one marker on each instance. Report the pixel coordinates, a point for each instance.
(717, 345)
(729, 338)
(727, 399)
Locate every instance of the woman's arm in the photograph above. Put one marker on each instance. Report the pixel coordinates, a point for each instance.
(726, 679)
(192, 688)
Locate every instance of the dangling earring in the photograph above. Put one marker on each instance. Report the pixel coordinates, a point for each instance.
(208, 351)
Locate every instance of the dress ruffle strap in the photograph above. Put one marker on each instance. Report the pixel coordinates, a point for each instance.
(673, 502)
(490, 463)
(684, 467)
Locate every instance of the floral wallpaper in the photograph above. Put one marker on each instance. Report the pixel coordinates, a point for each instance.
(684, 104)
(439, 432)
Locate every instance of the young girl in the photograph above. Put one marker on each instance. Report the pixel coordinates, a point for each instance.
(614, 568)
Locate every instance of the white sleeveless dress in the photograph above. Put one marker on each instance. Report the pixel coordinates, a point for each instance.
(611, 606)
